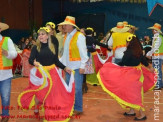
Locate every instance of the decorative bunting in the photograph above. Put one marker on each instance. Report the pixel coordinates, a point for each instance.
(151, 4)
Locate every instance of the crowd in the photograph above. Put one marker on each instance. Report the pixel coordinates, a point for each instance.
(59, 66)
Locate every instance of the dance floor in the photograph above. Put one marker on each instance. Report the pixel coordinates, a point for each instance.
(98, 106)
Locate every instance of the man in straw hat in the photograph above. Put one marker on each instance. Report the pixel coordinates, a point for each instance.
(7, 53)
(117, 41)
(156, 52)
(75, 57)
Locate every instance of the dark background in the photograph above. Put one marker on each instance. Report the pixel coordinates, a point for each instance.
(25, 15)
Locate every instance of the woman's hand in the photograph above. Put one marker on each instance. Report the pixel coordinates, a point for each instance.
(68, 70)
(37, 64)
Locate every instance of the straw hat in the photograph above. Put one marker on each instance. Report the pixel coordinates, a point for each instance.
(120, 28)
(3, 26)
(131, 27)
(125, 23)
(157, 27)
(69, 20)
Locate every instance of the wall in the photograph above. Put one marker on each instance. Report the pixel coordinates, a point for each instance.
(15, 13)
(135, 14)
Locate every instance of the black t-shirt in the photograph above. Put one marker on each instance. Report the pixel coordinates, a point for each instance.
(45, 56)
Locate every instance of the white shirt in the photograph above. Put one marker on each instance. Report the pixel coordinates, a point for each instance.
(5, 74)
(81, 43)
(119, 52)
(157, 40)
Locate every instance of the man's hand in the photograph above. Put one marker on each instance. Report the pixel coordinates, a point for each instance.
(4, 52)
(149, 57)
(81, 71)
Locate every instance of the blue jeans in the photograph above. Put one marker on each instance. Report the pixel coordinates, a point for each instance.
(157, 64)
(5, 90)
(78, 90)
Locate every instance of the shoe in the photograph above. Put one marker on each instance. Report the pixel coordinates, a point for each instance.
(126, 114)
(5, 119)
(144, 118)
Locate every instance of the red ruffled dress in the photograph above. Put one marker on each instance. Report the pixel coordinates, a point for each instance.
(126, 84)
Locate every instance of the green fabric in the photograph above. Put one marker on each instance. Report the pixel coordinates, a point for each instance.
(6, 62)
(161, 46)
(92, 78)
(160, 50)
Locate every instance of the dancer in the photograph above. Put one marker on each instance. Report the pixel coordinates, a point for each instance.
(47, 89)
(7, 53)
(93, 64)
(75, 57)
(117, 41)
(127, 83)
(156, 53)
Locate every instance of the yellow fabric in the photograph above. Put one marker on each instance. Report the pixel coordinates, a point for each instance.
(74, 54)
(119, 40)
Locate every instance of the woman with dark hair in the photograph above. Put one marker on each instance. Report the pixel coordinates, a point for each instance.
(127, 83)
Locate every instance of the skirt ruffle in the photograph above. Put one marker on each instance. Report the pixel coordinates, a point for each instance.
(55, 96)
(126, 84)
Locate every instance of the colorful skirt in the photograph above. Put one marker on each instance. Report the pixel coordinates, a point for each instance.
(97, 63)
(55, 96)
(126, 84)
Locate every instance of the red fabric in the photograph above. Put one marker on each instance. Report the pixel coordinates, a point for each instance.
(148, 79)
(17, 63)
(58, 103)
(97, 62)
(104, 51)
(26, 67)
(124, 82)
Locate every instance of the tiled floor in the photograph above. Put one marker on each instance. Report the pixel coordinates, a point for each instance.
(98, 106)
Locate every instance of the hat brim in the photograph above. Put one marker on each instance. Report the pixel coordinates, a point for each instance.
(153, 28)
(68, 23)
(120, 30)
(3, 26)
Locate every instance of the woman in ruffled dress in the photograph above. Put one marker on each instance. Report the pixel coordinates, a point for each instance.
(127, 83)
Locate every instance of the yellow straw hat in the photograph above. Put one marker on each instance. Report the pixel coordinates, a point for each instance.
(69, 20)
(125, 23)
(3, 26)
(132, 27)
(157, 27)
(120, 28)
